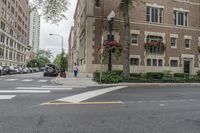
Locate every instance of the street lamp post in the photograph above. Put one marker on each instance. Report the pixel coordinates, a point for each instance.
(62, 54)
(110, 19)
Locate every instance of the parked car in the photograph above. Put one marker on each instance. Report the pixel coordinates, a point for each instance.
(7, 70)
(51, 70)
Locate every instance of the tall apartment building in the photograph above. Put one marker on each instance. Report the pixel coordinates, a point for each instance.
(13, 32)
(34, 30)
(165, 35)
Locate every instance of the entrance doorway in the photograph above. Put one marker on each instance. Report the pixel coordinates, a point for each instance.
(187, 66)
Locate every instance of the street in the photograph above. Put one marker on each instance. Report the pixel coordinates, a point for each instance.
(30, 103)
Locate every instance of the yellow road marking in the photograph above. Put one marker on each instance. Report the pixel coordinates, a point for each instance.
(81, 103)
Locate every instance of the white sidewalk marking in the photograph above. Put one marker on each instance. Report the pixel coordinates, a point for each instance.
(24, 91)
(11, 79)
(42, 81)
(27, 80)
(60, 86)
(6, 97)
(88, 95)
(42, 88)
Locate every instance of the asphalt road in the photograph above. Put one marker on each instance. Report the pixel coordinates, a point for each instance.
(82, 109)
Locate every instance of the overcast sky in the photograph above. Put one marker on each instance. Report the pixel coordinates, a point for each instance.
(53, 43)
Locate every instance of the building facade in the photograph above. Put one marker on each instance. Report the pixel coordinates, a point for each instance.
(34, 30)
(165, 35)
(13, 32)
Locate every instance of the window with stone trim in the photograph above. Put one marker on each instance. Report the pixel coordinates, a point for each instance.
(173, 42)
(134, 61)
(174, 63)
(134, 39)
(154, 14)
(160, 62)
(181, 18)
(148, 62)
(187, 43)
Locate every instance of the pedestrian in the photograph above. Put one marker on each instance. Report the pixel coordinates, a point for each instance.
(75, 69)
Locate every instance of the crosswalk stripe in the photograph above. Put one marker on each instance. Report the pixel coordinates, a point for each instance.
(88, 95)
(42, 88)
(64, 86)
(6, 97)
(25, 91)
(11, 79)
(42, 81)
(27, 80)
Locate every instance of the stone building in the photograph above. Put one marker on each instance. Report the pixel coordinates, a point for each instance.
(165, 35)
(13, 32)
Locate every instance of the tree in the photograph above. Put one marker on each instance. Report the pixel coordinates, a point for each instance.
(58, 61)
(52, 10)
(125, 5)
(42, 58)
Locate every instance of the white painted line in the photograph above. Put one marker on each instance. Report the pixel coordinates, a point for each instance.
(64, 86)
(27, 80)
(87, 95)
(3, 76)
(6, 97)
(41, 88)
(24, 91)
(11, 79)
(42, 81)
(162, 105)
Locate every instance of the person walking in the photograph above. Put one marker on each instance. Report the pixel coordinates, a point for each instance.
(75, 69)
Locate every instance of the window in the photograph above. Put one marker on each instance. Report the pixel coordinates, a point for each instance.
(148, 62)
(173, 42)
(187, 43)
(154, 14)
(3, 26)
(160, 62)
(173, 63)
(134, 61)
(2, 39)
(154, 62)
(181, 18)
(134, 39)
(98, 3)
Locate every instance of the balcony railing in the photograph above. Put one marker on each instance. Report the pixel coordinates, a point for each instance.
(155, 47)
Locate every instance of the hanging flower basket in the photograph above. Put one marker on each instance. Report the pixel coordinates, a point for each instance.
(155, 47)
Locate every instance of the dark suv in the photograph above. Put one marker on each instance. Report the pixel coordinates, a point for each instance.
(51, 70)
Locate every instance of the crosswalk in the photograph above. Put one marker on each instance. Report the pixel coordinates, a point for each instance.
(13, 93)
(24, 80)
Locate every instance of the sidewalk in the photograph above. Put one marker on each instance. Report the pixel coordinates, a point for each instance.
(82, 80)
(86, 80)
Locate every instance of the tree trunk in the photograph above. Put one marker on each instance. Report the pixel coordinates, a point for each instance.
(126, 46)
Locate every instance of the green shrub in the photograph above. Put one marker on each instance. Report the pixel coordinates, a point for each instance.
(154, 75)
(112, 77)
(180, 75)
(136, 75)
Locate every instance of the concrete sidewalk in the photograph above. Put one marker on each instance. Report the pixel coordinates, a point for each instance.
(82, 80)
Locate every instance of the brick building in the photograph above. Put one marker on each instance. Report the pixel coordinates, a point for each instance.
(13, 32)
(165, 35)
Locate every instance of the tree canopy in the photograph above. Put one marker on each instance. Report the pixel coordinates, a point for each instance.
(42, 58)
(52, 10)
(58, 61)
